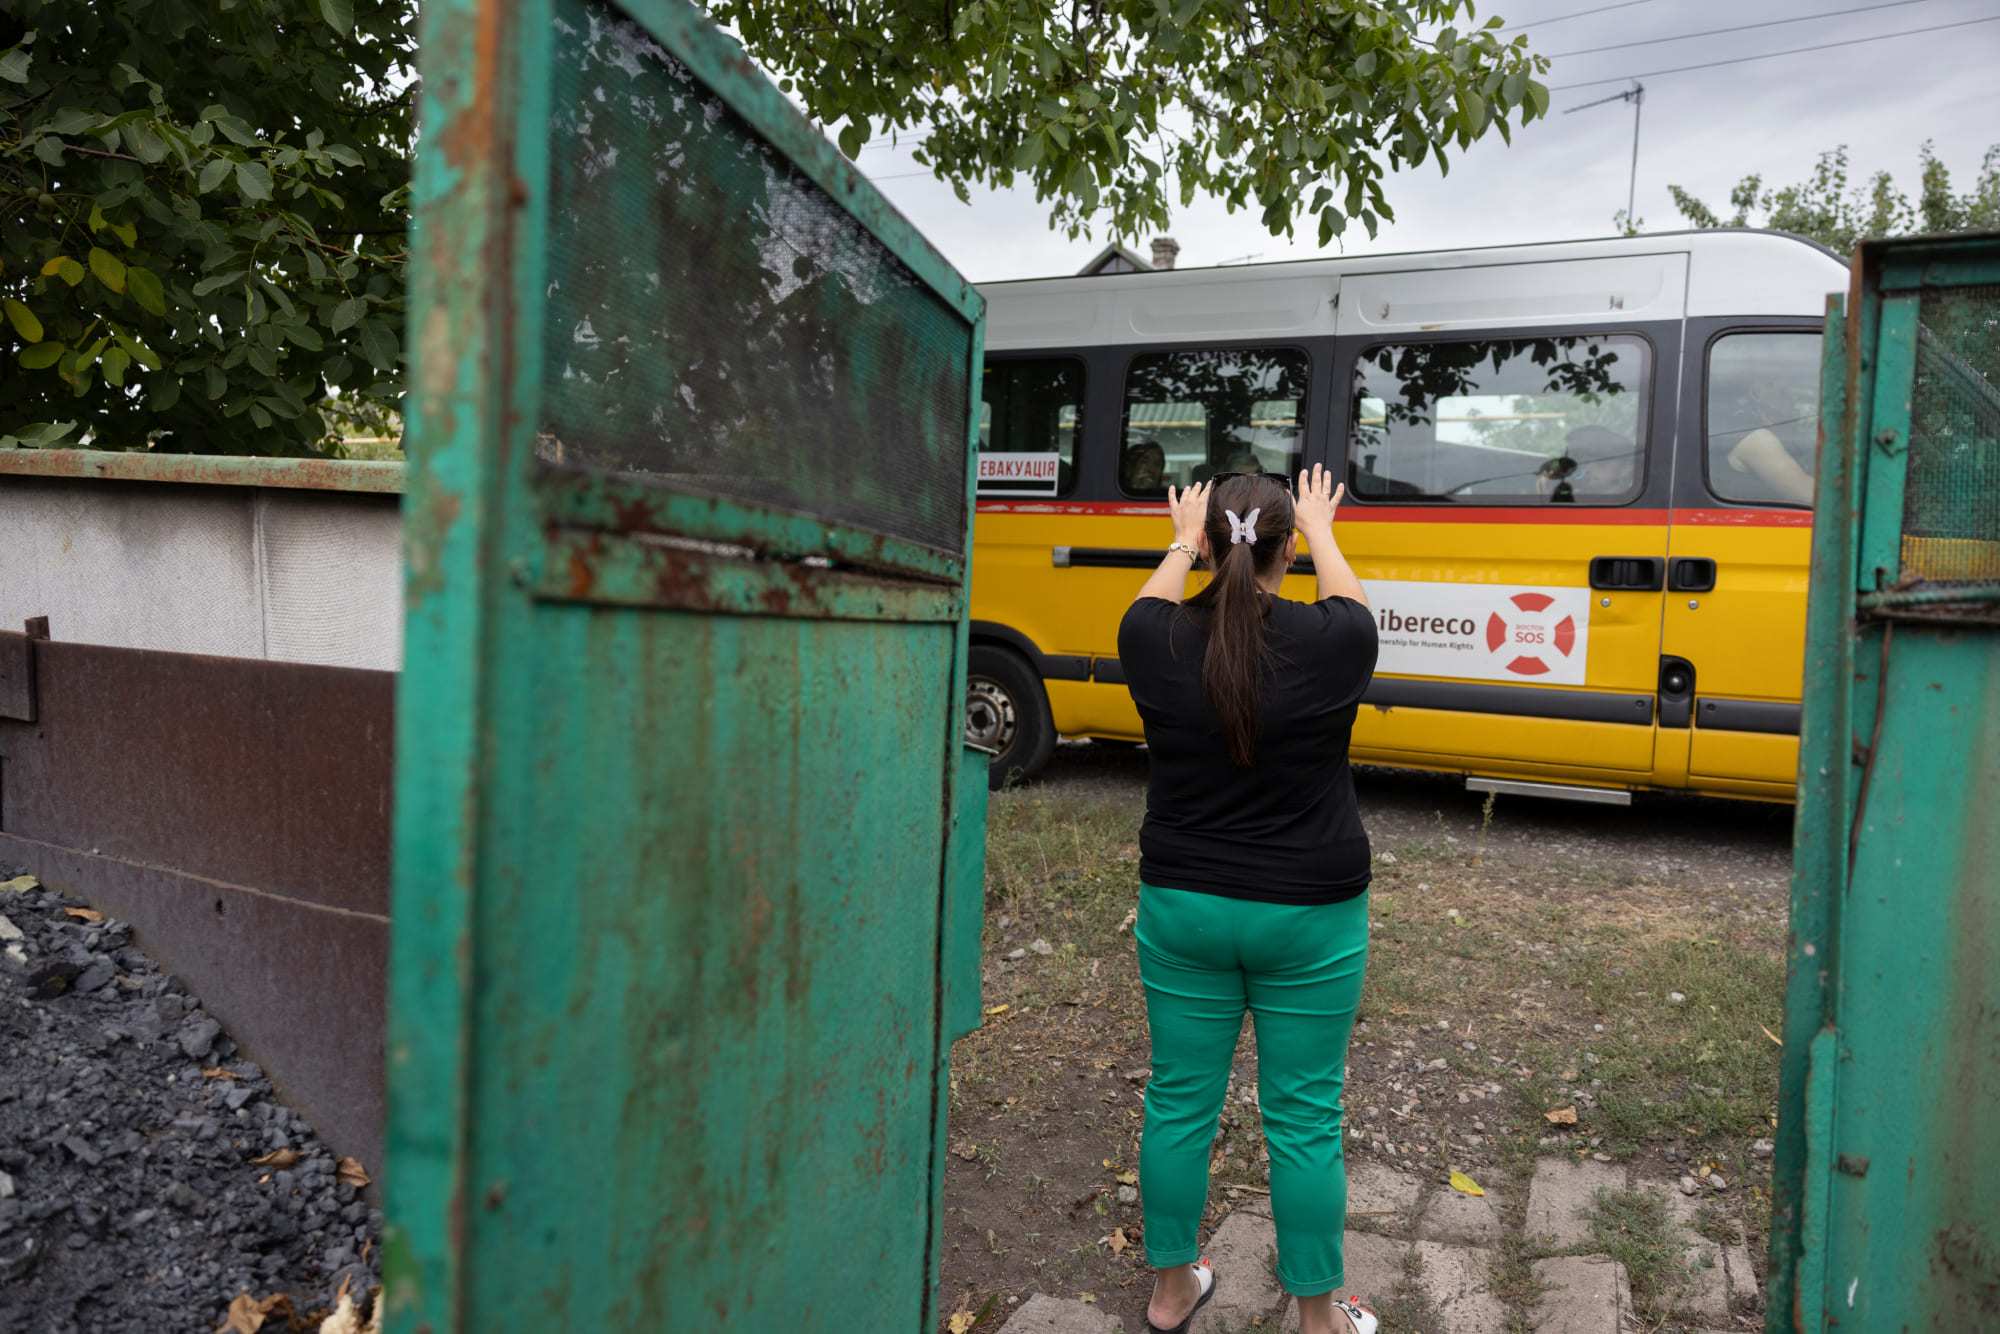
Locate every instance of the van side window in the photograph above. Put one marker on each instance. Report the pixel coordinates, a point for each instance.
(1762, 412)
(1559, 420)
(1190, 415)
(1030, 415)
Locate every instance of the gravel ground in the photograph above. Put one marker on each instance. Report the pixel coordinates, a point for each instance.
(131, 1195)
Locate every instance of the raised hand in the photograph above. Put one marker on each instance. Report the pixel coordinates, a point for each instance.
(1318, 497)
(1190, 511)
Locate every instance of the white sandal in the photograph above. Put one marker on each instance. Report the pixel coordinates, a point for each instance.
(1365, 1321)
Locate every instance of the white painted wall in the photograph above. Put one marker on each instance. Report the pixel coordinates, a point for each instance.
(241, 572)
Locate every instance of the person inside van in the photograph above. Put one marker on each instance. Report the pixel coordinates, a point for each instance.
(1239, 458)
(1254, 871)
(1762, 464)
(1145, 467)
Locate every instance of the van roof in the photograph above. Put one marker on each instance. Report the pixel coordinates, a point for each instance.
(1660, 275)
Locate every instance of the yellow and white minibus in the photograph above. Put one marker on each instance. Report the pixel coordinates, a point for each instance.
(1579, 481)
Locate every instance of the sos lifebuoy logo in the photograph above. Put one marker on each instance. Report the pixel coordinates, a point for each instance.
(1488, 632)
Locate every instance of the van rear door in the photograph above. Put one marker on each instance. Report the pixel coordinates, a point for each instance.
(1507, 454)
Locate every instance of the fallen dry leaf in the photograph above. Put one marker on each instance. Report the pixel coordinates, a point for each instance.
(965, 1149)
(1128, 1178)
(346, 1318)
(960, 1321)
(1561, 1116)
(1773, 1036)
(247, 1314)
(1460, 1181)
(85, 914)
(278, 1158)
(998, 1009)
(217, 1072)
(352, 1172)
(1117, 1241)
(20, 884)
(1090, 1297)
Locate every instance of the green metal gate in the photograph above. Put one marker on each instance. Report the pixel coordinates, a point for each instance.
(1886, 1213)
(688, 850)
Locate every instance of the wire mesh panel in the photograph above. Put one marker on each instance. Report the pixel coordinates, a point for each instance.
(1951, 505)
(717, 323)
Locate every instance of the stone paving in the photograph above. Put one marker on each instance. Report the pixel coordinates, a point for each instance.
(1411, 1239)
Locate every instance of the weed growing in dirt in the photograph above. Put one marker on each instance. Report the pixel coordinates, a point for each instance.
(1634, 1228)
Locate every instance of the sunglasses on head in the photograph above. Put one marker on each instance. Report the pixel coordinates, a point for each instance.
(1218, 478)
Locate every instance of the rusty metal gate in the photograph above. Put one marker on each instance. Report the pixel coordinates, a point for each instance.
(687, 858)
(1885, 1215)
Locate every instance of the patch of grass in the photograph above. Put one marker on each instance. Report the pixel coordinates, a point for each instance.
(1068, 864)
(1634, 1228)
(1409, 1309)
(1700, 1066)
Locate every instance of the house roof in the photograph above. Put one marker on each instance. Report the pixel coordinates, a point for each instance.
(1114, 258)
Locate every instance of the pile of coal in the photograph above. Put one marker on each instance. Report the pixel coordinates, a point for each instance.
(149, 1177)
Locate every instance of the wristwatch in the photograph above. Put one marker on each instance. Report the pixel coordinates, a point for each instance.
(1192, 554)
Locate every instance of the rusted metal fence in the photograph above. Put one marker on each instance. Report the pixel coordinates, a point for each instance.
(1884, 1211)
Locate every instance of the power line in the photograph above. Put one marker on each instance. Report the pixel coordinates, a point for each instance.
(1581, 13)
(1743, 27)
(1771, 55)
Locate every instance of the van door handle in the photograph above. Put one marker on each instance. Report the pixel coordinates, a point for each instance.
(1632, 574)
(1691, 574)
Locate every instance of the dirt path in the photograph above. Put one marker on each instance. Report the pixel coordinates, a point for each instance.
(1614, 964)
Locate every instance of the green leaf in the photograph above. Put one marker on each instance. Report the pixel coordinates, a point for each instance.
(72, 120)
(114, 365)
(166, 393)
(213, 174)
(1538, 97)
(304, 335)
(40, 356)
(346, 313)
(110, 269)
(254, 180)
(146, 290)
(339, 15)
(23, 320)
(65, 268)
(14, 65)
(139, 352)
(378, 344)
(344, 155)
(216, 281)
(215, 384)
(263, 359)
(236, 131)
(49, 149)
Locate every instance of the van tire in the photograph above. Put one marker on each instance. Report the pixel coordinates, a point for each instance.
(1007, 709)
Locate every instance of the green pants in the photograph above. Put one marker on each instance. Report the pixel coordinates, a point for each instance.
(1205, 960)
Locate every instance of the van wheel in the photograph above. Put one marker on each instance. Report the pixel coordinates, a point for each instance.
(1007, 712)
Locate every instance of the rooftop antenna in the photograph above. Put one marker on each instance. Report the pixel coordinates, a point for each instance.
(1636, 95)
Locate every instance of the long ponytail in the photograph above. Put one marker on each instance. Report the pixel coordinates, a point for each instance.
(1238, 611)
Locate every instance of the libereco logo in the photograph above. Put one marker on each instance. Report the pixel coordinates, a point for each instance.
(1492, 632)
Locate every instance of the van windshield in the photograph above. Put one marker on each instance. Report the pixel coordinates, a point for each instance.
(1555, 420)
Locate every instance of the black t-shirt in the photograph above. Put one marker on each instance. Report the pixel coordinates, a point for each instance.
(1285, 830)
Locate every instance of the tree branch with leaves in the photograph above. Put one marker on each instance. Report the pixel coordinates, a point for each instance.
(204, 218)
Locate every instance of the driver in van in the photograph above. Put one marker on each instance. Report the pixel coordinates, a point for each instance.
(1762, 453)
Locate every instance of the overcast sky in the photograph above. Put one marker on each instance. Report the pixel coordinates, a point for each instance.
(1565, 176)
